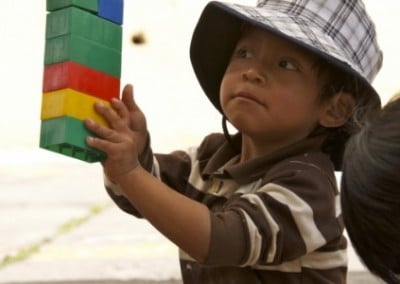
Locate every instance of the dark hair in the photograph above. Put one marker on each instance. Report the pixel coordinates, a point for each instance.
(336, 80)
(370, 193)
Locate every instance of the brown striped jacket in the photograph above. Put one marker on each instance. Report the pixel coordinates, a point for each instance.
(274, 219)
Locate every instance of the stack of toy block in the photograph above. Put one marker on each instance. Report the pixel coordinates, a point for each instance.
(82, 65)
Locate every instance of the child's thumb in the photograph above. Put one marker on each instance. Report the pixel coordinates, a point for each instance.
(128, 99)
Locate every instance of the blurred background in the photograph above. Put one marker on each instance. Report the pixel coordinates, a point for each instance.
(155, 60)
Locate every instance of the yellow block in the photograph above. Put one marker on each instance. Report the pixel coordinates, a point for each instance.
(68, 102)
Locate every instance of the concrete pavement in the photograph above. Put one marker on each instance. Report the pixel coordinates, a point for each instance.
(57, 225)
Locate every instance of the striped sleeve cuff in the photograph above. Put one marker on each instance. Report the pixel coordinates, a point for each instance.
(113, 187)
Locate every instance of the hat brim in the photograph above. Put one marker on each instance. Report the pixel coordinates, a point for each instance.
(219, 28)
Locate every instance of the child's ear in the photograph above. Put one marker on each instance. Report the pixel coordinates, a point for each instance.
(338, 110)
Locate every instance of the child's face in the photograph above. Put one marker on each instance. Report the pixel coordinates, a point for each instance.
(270, 89)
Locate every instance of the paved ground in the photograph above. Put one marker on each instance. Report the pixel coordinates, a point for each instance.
(57, 225)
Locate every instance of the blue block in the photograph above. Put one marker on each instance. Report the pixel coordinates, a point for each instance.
(112, 10)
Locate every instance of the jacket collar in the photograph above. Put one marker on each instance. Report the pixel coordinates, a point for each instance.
(220, 165)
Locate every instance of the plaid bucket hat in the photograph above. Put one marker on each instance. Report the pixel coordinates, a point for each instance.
(339, 31)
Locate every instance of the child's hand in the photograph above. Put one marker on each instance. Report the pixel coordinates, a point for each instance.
(125, 137)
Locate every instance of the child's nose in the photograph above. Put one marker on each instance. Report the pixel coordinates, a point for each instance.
(253, 75)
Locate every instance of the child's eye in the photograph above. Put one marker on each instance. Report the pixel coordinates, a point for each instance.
(287, 64)
(242, 53)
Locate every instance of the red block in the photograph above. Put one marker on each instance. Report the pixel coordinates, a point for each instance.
(75, 76)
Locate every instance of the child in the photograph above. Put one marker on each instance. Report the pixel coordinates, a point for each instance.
(370, 193)
(259, 206)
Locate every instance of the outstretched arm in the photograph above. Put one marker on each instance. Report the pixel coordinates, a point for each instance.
(181, 219)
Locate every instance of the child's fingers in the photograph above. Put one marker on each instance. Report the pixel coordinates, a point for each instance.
(97, 143)
(108, 113)
(105, 135)
(128, 98)
(100, 130)
(120, 108)
(113, 115)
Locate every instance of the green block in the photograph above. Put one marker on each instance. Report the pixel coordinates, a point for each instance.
(66, 135)
(82, 23)
(90, 5)
(86, 52)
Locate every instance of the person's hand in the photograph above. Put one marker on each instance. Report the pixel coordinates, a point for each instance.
(125, 137)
